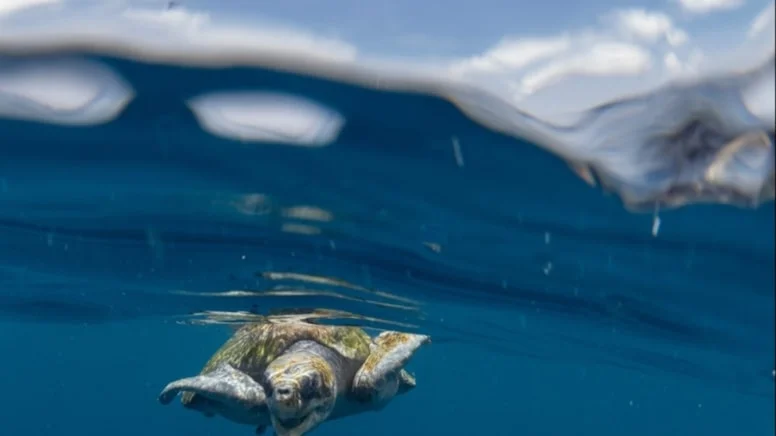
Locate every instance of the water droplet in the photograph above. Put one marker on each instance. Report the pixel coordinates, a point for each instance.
(655, 226)
(656, 220)
(457, 152)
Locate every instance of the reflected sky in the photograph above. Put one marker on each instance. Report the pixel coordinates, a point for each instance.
(545, 61)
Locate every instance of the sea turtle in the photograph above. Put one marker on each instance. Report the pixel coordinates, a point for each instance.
(295, 375)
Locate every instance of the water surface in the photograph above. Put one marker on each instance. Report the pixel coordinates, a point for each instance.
(139, 220)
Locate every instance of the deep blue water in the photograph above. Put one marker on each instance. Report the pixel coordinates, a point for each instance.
(553, 309)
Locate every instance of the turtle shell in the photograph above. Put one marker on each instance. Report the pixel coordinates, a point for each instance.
(254, 346)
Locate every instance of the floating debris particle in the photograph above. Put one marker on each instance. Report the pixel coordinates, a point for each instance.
(433, 246)
(656, 220)
(154, 242)
(457, 152)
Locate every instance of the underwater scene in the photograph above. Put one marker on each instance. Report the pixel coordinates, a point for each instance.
(350, 217)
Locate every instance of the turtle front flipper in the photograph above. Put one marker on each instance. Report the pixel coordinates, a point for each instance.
(224, 391)
(382, 375)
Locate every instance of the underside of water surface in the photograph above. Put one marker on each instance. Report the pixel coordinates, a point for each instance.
(609, 276)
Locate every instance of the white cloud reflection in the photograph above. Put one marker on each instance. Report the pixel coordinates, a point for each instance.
(707, 6)
(763, 22)
(62, 91)
(8, 7)
(267, 117)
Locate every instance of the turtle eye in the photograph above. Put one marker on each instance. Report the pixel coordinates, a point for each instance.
(309, 388)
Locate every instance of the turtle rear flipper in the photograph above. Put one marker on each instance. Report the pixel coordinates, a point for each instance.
(406, 381)
(224, 391)
(382, 374)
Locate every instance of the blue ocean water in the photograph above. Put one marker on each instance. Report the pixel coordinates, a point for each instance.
(554, 307)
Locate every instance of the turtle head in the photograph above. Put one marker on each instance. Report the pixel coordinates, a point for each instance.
(301, 392)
